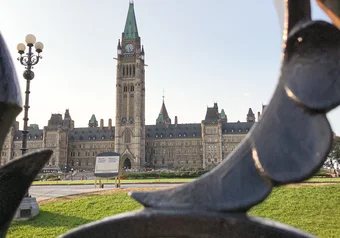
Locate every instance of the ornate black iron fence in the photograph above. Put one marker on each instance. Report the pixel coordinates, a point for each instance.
(296, 143)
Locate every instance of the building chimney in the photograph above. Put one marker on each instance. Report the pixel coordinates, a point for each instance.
(176, 121)
(101, 124)
(258, 116)
(110, 124)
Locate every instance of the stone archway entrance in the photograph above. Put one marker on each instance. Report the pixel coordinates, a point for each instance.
(127, 164)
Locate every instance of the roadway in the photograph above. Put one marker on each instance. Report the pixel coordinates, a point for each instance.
(53, 191)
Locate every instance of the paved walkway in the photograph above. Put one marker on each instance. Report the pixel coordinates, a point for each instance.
(53, 191)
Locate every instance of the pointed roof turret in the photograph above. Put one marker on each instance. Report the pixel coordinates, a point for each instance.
(223, 115)
(93, 121)
(250, 116)
(93, 118)
(67, 114)
(163, 117)
(164, 112)
(250, 112)
(68, 122)
(130, 30)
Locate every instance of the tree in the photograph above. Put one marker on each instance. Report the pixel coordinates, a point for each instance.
(149, 159)
(333, 160)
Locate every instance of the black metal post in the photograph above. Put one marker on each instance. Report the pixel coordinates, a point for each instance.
(28, 75)
(28, 61)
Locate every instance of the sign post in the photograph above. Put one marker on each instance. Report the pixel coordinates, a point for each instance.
(107, 165)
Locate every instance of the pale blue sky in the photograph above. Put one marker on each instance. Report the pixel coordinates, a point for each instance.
(198, 51)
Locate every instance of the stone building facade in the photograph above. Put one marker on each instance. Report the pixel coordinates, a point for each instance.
(163, 145)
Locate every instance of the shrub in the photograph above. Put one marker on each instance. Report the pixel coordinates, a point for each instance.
(156, 175)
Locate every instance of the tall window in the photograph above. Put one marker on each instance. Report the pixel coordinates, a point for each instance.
(127, 136)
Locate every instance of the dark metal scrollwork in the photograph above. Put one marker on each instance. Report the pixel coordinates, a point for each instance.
(289, 144)
(29, 59)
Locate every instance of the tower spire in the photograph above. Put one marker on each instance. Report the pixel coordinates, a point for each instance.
(163, 96)
(131, 30)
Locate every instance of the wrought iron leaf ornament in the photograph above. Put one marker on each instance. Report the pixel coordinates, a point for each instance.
(289, 144)
(15, 179)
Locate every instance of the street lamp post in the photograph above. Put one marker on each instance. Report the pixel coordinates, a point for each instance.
(28, 60)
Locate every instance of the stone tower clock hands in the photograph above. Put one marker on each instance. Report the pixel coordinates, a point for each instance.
(129, 48)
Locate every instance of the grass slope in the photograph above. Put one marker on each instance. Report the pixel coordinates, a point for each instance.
(313, 209)
(58, 217)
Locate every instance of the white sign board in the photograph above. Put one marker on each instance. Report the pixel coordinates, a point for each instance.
(107, 166)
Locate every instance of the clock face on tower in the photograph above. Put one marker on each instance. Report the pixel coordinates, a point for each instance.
(129, 48)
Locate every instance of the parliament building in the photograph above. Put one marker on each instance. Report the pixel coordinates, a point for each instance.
(167, 144)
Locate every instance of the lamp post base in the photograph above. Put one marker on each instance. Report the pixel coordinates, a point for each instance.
(28, 209)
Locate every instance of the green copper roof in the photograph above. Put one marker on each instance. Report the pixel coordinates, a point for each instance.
(130, 30)
(223, 115)
(160, 119)
(93, 119)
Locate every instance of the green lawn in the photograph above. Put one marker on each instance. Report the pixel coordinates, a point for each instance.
(162, 180)
(313, 209)
(324, 180)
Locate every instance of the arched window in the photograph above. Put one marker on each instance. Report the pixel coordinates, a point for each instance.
(134, 70)
(127, 136)
(123, 70)
(130, 71)
(132, 88)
